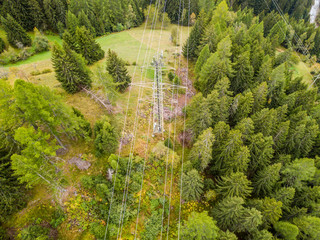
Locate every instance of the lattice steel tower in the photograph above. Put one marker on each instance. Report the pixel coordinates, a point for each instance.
(157, 95)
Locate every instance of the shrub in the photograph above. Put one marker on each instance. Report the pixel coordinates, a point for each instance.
(171, 76)
(40, 44)
(105, 138)
(97, 230)
(34, 232)
(168, 143)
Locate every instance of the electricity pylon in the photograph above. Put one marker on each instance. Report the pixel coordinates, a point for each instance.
(157, 86)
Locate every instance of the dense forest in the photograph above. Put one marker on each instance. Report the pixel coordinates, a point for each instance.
(244, 157)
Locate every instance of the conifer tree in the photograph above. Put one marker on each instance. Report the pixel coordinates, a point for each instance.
(234, 185)
(190, 49)
(271, 210)
(265, 70)
(85, 22)
(266, 179)
(199, 116)
(72, 23)
(243, 73)
(15, 33)
(241, 106)
(218, 66)
(284, 195)
(117, 69)
(228, 213)
(308, 226)
(261, 152)
(199, 226)
(286, 230)
(70, 40)
(55, 11)
(201, 152)
(87, 46)
(203, 57)
(260, 97)
(70, 69)
(192, 187)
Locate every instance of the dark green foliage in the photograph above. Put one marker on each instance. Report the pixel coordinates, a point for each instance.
(106, 140)
(55, 11)
(190, 49)
(16, 35)
(87, 47)
(70, 69)
(235, 185)
(117, 69)
(2, 45)
(192, 187)
(168, 143)
(152, 226)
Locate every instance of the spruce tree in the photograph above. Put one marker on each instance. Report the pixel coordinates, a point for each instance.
(286, 230)
(72, 23)
(117, 69)
(234, 185)
(55, 11)
(243, 73)
(266, 179)
(85, 22)
(70, 40)
(203, 57)
(15, 33)
(192, 187)
(87, 46)
(199, 117)
(190, 49)
(260, 97)
(201, 152)
(199, 226)
(70, 69)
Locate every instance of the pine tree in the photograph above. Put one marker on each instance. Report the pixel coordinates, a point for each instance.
(308, 226)
(234, 185)
(199, 118)
(243, 70)
(201, 152)
(228, 213)
(218, 66)
(260, 97)
(72, 23)
(203, 57)
(192, 187)
(117, 69)
(21, 11)
(261, 152)
(70, 40)
(199, 226)
(265, 70)
(298, 172)
(284, 195)
(271, 210)
(87, 46)
(106, 139)
(190, 49)
(15, 33)
(55, 11)
(85, 22)
(70, 69)
(266, 179)
(33, 165)
(241, 106)
(2, 45)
